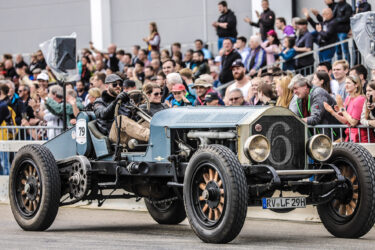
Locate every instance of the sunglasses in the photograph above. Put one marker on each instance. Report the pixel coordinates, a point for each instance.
(20, 90)
(120, 84)
(234, 99)
(157, 94)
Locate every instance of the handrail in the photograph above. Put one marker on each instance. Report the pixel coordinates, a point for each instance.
(296, 57)
(30, 127)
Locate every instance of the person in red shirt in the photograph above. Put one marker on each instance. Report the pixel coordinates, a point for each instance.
(349, 111)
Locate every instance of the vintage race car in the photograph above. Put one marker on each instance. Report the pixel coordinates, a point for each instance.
(208, 164)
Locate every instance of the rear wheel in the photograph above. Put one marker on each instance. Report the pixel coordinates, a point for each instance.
(169, 212)
(34, 188)
(351, 214)
(215, 194)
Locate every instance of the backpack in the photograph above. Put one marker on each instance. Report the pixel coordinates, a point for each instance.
(9, 133)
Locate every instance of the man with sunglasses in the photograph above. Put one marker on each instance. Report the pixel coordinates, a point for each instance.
(235, 98)
(104, 109)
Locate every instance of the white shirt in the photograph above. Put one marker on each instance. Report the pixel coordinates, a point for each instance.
(244, 89)
(334, 87)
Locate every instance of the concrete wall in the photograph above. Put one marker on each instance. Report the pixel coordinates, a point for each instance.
(178, 21)
(29, 22)
(26, 23)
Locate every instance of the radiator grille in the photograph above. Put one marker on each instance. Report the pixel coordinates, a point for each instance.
(287, 137)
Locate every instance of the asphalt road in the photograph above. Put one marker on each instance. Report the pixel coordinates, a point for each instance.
(76, 228)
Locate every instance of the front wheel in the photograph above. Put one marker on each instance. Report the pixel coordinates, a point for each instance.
(215, 194)
(34, 188)
(351, 214)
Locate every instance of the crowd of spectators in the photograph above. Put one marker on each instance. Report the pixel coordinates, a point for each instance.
(260, 72)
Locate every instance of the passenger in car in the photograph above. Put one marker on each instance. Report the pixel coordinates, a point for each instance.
(153, 92)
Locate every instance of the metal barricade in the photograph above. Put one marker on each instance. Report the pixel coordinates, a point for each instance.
(339, 133)
(12, 138)
(355, 54)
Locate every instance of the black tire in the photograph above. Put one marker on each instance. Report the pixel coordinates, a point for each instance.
(168, 213)
(354, 215)
(215, 194)
(34, 188)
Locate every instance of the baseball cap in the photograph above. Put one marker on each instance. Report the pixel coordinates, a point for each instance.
(42, 76)
(129, 84)
(237, 63)
(37, 71)
(112, 78)
(211, 97)
(178, 87)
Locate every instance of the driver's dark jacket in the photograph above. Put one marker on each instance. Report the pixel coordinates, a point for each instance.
(104, 109)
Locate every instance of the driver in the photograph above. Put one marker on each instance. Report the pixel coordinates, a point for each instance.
(104, 109)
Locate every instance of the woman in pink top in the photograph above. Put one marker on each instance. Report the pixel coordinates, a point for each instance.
(350, 111)
(271, 46)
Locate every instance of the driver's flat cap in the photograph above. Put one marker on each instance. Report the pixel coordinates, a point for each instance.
(112, 78)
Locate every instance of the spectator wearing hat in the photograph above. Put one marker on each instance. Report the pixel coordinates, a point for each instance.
(129, 85)
(257, 57)
(242, 82)
(229, 56)
(181, 97)
(304, 43)
(172, 79)
(212, 99)
(35, 72)
(203, 86)
(266, 20)
(310, 99)
(43, 79)
(271, 46)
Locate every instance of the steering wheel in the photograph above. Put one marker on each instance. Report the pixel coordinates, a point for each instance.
(141, 99)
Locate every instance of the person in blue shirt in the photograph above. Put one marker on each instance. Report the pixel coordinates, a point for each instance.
(288, 53)
(181, 96)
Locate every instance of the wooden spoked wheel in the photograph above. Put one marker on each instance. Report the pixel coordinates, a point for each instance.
(349, 205)
(210, 193)
(28, 190)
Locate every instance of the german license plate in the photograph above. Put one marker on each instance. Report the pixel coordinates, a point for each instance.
(283, 202)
